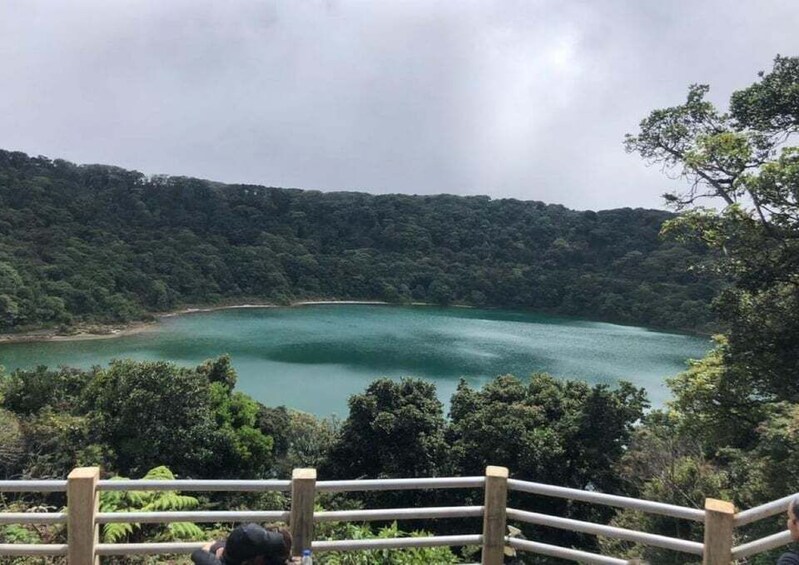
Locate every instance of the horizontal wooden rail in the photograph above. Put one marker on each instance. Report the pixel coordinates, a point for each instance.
(397, 543)
(318, 546)
(33, 486)
(399, 484)
(38, 549)
(763, 511)
(564, 552)
(762, 545)
(148, 548)
(33, 518)
(399, 514)
(192, 516)
(654, 540)
(608, 500)
(191, 485)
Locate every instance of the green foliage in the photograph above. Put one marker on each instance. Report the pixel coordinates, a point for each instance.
(745, 159)
(134, 416)
(410, 556)
(393, 429)
(239, 438)
(45, 426)
(83, 244)
(560, 432)
(12, 444)
(149, 501)
(731, 430)
(767, 470)
(14, 533)
(713, 403)
(56, 442)
(564, 432)
(663, 464)
(772, 104)
(274, 422)
(27, 392)
(310, 441)
(152, 411)
(219, 370)
(30, 533)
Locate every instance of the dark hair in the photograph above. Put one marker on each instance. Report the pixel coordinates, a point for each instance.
(278, 559)
(793, 505)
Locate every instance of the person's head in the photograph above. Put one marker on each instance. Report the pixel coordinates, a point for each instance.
(250, 544)
(793, 517)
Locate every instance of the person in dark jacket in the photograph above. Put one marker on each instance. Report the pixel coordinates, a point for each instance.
(248, 544)
(791, 557)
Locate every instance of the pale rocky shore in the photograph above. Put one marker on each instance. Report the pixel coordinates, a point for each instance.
(99, 331)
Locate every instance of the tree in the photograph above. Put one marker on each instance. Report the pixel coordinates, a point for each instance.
(310, 439)
(711, 402)
(547, 430)
(9, 311)
(28, 392)
(155, 413)
(730, 431)
(12, 444)
(394, 429)
(742, 159)
(663, 464)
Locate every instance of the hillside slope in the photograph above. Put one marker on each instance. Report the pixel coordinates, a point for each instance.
(100, 243)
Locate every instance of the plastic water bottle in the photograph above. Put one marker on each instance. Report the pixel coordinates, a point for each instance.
(306, 557)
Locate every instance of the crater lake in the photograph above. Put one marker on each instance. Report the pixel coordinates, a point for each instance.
(313, 357)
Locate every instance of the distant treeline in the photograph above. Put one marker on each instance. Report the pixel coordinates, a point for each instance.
(95, 243)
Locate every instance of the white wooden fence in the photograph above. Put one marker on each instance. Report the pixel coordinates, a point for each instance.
(82, 517)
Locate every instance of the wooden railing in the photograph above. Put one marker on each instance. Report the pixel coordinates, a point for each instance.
(83, 518)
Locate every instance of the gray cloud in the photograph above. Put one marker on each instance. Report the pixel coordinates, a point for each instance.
(523, 99)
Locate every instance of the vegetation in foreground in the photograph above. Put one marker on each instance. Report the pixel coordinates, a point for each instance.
(138, 418)
(732, 427)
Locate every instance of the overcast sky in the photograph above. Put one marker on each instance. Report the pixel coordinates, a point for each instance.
(524, 99)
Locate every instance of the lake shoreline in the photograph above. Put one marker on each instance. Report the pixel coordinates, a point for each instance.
(110, 331)
(95, 331)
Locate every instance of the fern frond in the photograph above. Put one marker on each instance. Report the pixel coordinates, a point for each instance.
(112, 500)
(185, 531)
(159, 474)
(137, 499)
(114, 533)
(171, 500)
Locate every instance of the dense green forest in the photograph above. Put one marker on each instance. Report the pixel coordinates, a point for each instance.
(731, 430)
(102, 244)
(133, 418)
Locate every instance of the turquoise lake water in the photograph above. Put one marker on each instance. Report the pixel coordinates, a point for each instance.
(313, 358)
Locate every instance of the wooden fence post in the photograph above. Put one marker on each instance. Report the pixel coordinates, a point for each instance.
(303, 487)
(83, 500)
(496, 499)
(719, 516)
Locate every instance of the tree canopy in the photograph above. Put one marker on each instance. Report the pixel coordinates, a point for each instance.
(731, 429)
(744, 161)
(131, 415)
(134, 416)
(96, 243)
